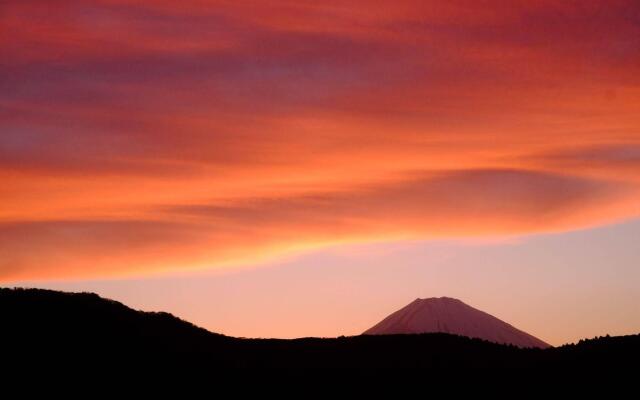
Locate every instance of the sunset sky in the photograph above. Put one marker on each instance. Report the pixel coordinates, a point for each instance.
(302, 168)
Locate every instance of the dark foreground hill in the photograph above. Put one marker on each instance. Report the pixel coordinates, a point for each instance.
(44, 327)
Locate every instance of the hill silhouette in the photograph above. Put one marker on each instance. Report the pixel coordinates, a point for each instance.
(44, 327)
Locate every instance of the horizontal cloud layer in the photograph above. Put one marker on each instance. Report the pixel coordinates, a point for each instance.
(449, 204)
(167, 136)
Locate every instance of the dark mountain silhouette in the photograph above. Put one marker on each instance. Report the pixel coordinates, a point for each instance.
(448, 315)
(49, 330)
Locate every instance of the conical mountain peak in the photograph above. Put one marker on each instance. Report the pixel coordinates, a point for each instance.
(450, 315)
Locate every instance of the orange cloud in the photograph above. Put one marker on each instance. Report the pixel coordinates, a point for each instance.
(187, 236)
(206, 133)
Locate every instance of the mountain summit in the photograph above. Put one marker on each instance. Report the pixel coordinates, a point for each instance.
(447, 315)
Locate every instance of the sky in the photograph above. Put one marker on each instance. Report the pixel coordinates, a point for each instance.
(221, 153)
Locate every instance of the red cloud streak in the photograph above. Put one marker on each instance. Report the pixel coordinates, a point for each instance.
(139, 137)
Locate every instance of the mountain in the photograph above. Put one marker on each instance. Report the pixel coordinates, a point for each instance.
(447, 315)
(46, 333)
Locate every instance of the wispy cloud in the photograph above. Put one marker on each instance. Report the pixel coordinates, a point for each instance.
(459, 204)
(232, 129)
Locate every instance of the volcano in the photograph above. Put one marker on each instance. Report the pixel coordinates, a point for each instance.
(448, 315)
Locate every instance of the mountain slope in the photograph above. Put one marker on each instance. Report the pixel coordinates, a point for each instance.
(447, 315)
(45, 332)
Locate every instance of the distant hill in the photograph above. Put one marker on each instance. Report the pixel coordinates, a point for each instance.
(43, 328)
(447, 315)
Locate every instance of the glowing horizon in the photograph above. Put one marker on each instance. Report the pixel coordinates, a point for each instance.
(551, 286)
